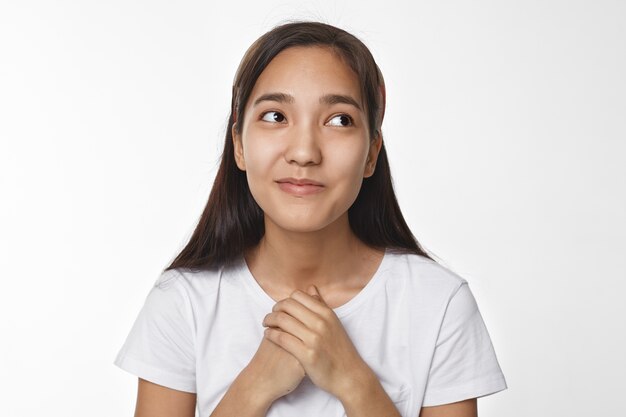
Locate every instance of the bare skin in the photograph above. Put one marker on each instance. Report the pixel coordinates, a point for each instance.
(157, 401)
(275, 370)
(357, 275)
(466, 408)
(289, 129)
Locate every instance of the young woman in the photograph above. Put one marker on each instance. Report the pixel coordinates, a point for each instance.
(302, 292)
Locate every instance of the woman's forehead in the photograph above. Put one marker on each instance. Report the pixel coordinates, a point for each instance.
(308, 73)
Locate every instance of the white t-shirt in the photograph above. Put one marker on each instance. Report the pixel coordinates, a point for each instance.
(415, 323)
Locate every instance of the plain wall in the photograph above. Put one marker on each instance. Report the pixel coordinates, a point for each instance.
(505, 129)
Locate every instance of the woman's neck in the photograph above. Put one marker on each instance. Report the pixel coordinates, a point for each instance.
(330, 258)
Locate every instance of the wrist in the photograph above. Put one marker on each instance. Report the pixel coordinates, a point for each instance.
(252, 389)
(367, 397)
(356, 385)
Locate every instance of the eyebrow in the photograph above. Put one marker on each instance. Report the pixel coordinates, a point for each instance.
(328, 99)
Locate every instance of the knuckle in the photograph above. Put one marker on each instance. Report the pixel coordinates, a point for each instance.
(286, 303)
(281, 337)
(315, 340)
(328, 314)
(280, 316)
(312, 356)
(280, 305)
(320, 326)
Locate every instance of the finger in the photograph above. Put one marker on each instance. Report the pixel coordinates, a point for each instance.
(297, 310)
(312, 291)
(315, 292)
(310, 302)
(287, 341)
(289, 324)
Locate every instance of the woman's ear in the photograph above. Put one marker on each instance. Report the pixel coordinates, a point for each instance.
(372, 156)
(238, 148)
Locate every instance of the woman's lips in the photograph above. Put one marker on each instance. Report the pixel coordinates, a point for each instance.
(294, 189)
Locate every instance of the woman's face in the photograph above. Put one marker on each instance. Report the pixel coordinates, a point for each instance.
(305, 119)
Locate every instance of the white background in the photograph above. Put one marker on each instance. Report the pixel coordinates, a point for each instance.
(505, 129)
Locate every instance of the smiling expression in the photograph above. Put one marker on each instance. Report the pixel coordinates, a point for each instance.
(305, 119)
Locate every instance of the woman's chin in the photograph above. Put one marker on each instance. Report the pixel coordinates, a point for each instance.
(305, 223)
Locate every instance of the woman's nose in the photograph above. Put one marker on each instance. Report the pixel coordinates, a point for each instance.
(303, 146)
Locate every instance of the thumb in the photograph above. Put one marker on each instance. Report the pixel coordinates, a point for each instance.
(315, 292)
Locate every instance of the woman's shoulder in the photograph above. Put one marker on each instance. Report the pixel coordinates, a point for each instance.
(192, 280)
(421, 271)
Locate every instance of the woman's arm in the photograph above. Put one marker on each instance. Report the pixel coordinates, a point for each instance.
(158, 401)
(242, 399)
(466, 408)
(367, 397)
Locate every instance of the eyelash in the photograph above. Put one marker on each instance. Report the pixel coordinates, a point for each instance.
(341, 114)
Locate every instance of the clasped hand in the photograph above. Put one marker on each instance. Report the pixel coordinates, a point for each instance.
(305, 326)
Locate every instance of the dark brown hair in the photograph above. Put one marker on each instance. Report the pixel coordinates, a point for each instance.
(232, 221)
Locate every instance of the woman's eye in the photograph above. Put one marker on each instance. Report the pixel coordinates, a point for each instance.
(344, 120)
(275, 116)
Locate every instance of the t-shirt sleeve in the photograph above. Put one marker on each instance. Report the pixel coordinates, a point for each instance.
(161, 344)
(464, 362)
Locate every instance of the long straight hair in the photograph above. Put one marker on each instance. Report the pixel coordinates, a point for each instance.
(232, 221)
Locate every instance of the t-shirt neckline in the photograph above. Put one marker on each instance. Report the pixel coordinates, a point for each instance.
(370, 288)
